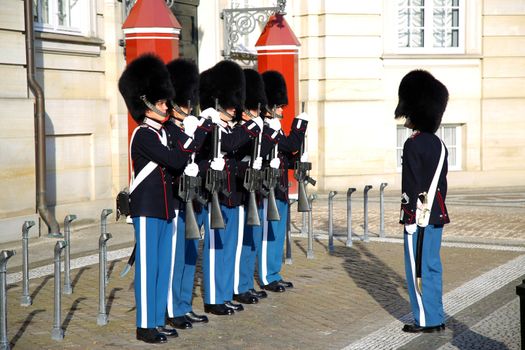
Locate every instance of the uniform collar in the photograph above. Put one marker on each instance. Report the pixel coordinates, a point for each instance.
(154, 124)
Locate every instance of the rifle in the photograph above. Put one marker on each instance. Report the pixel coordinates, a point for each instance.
(188, 191)
(253, 182)
(301, 174)
(215, 183)
(270, 180)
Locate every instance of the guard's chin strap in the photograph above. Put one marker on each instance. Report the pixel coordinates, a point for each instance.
(152, 107)
(249, 114)
(273, 112)
(219, 108)
(179, 110)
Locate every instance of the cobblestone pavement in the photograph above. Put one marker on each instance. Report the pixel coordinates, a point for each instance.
(339, 299)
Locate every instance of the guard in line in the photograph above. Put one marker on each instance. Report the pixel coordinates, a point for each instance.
(288, 147)
(422, 102)
(250, 232)
(222, 91)
(146, 87)
(184, 76)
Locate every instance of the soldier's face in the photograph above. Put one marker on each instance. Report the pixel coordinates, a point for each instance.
(162, 107)
(228, 117)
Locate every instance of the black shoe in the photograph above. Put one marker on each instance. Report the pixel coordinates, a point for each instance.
(246, 298)
(151, 335)
(179, 322)
(274, 287)
(259, 294)
(285, 284)
(236, 307)
(168, 332)
(413, 328)
(218, 309)
(194, 318)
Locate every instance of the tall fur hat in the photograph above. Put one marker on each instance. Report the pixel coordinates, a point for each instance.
(145, 76)
(184, 76)
(422, 99)
(224, 81)
(275, 87)
(255, 93)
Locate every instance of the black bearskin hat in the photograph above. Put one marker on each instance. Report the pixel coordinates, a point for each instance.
(422, 99)
(224, 81)
(255, 93)
(185, 80)
(145, 76)
(275, 87)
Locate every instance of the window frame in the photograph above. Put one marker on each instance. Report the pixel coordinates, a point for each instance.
(393, 22)
(458, 146)
(86, 15)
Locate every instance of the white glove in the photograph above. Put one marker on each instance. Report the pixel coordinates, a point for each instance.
(191, 169)
(190, 125)
(411, 229)
(211, 113)
(217, 164)
(257, 163)
(303, 116)
(274, 123)
(259, 122)
(304, 157)
(274, 163)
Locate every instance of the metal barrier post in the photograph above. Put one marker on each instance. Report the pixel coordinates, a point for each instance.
(365, 201)
(58, 333)
(382, 209)
(102, 318)
(26, 298)
(310, 251)
(103, 229)
(520, 291)
(331, 196)
(67, 259)
(349, 216)
(288, 252)
(4, 256)
(304, 229)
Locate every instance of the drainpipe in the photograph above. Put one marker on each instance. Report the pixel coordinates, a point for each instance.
(40, 131)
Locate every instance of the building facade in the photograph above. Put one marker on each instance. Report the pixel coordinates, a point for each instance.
(353, 55)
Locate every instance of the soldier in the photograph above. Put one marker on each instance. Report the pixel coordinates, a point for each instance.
(250, 234)
(422, 102)
(185, 79)
(221, 93)
(146, 87)
(288, 147)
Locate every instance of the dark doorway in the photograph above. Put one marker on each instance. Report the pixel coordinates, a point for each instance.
(186, 13)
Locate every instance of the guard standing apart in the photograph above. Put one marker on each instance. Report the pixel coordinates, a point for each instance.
(422, 102)
(222, 91)
(288, 147)
(250, 234)
(185, 80)
(146, 87)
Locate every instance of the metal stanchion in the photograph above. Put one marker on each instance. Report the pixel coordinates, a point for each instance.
(67, 259)
(58, 333)
(304, 229)
(520, 291)
(288, 253)
(102, 318)
(349, 216)
(331, 196)
(103, 229)
(382, 209)
(365, 201)
(4, 256)
(26, 298)
(310, 251)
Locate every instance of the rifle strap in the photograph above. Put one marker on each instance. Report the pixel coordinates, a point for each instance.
(433, 185)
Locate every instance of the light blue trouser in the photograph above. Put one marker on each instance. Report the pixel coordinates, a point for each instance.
(219, 258)
(271, 257)
(428, 308)
(152, 270)
(248, 248)
(184, 255)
